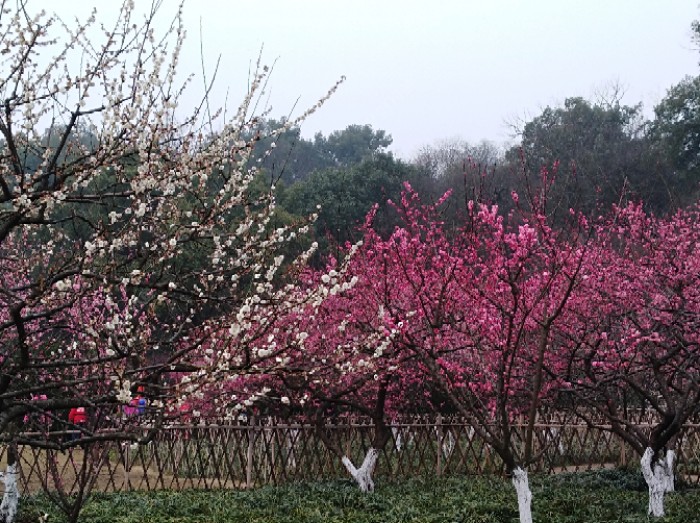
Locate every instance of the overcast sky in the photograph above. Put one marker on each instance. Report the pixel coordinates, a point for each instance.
(431, 70)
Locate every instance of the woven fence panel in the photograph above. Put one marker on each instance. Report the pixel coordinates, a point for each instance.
(273, 452)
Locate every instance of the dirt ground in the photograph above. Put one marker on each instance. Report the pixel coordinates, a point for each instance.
(41, 469)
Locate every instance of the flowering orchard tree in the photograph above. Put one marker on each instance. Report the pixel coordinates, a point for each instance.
(478, 309)
(636, 345)
(128, 234)
(339, 358)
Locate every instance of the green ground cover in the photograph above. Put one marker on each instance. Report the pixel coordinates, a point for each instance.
(604, 496)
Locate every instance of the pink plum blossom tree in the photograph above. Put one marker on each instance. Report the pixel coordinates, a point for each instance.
(634, 340)
(478, 308)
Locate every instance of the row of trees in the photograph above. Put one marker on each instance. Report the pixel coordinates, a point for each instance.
(502, 320)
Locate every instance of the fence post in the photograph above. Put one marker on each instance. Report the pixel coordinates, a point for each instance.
(487, 458)
(351, 427)
(271, 439)
(269, 448)
(438, 429)
(250, 453)
(623, 453)
(127, 466)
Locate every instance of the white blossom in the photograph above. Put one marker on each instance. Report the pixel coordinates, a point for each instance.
(124, 393)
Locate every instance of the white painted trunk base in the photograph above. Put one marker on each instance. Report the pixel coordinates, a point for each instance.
(554, 437)
(522, 488)
(291, 439)
(363, 475)
(10, 500)
(398, 439)
(659, 479)
(670, 478)
(448, 444)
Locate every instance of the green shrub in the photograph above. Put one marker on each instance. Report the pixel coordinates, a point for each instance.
(590, 497)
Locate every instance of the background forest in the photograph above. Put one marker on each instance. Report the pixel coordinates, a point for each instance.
(601, 151)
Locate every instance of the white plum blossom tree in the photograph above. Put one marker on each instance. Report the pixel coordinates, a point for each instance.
(135, 256)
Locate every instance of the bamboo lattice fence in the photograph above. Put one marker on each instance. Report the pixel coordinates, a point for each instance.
(274, 452)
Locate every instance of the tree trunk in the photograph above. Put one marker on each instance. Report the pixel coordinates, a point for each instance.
(10, 500)
(398, 440)
(522, 488)
(363, 475)
(670, 478)
(659, 478)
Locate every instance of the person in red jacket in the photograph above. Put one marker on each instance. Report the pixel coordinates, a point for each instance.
(77, 416)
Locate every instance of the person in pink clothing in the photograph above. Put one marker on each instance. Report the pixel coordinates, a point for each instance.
(131, 409)
(137, 405)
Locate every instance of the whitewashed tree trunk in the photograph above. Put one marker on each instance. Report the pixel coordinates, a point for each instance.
(555, 436)
(522, 488)
(448, 444)
(659, 479)
(670, 478)
(291, 440)
(398, 440)
(363, 475)
(10, 500)
(446, 440)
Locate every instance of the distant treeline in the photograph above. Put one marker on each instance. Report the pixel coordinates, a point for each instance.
(583, 155)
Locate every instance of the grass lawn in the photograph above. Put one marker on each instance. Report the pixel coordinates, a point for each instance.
(604, 496)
